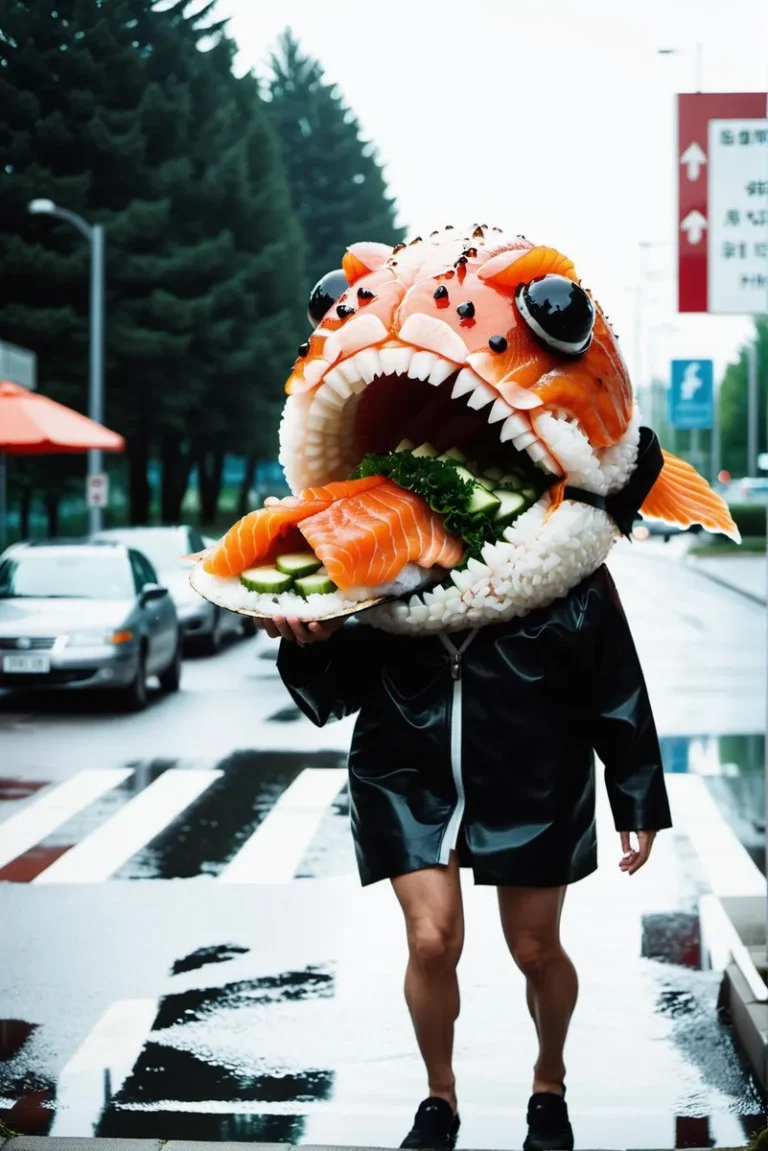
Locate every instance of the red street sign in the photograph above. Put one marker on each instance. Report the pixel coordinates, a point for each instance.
(696, 171)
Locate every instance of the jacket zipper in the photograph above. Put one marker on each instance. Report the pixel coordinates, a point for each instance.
(451, 834)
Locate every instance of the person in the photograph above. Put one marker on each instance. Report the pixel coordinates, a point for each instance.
(540, 695)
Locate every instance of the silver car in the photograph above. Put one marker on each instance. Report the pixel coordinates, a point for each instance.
(204, 626)
(81, 615)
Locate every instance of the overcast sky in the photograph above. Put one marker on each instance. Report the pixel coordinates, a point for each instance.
(555, 119)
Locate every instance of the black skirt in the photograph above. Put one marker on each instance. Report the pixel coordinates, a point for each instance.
(483, 742)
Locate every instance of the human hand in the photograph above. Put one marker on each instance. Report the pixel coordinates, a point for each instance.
(634, 859)
(298, 631)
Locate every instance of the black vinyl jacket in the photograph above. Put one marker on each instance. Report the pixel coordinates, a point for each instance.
(490, 752)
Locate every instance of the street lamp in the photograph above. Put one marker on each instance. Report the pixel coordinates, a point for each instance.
(94, 233)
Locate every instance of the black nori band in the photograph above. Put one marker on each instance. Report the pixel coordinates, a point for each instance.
(623, 506)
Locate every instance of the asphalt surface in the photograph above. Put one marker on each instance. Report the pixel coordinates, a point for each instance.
(187, 953)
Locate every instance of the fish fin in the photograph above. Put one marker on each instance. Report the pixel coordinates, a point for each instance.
(681, 496)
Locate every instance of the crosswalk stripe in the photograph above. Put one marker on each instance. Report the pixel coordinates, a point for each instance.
(54, 808)
(275, 850)
(102, 1063)
(106, 849)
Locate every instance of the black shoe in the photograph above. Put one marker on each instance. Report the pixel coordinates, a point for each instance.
(435, 1126)
(549, 1128)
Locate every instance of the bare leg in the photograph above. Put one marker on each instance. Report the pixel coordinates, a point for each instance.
(434, 919)
(530, 917)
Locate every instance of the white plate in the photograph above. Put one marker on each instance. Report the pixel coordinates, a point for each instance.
(27, 664)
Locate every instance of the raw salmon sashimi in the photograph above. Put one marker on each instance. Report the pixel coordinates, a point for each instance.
(368, 539)
(252, 538)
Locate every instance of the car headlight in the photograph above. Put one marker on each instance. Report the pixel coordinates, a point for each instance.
(98, 637)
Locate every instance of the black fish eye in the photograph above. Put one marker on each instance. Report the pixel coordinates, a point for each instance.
(558, 312)
(325, 294)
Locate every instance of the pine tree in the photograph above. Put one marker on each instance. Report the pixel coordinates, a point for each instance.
(734, 404)
(111, 108)
(336, 182)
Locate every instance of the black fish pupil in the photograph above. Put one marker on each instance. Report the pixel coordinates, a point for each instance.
(466, 311)
(441, 293)
(364, 294)
(498, 343)
(343, 310)
(304, 349)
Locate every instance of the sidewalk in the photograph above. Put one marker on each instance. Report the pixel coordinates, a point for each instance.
(745, 574)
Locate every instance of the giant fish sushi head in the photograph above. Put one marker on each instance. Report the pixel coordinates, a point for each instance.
(490, 346)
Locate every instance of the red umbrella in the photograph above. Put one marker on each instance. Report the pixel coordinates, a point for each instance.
(32, 424)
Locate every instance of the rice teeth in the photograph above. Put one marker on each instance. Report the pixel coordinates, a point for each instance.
(401, 360)
(349, 370)
(440, 372)
(462, 579)
(515, 425)
(388, 361)
(368, 364)
(328, 399)
(421, 365)
(466, 381)
(481, 396)
(500, 411)
(524, 440)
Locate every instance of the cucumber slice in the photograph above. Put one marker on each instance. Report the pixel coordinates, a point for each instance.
(487, 482)
(298, 564)
(316, 584)
(530, 494)
(482, 501)
(494, 474)
(466, 474)
(266, 580)
(514, 482)
(454, 454)
(510, 503)
(405, 446)
(424, 450)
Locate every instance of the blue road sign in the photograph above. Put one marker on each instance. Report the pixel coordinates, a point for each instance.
(692, 395)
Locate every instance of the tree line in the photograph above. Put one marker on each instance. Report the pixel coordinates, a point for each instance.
(223, 199)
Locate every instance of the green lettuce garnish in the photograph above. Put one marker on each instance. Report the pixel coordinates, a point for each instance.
(446, 492)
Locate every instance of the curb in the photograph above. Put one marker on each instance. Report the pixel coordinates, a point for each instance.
(693, 565)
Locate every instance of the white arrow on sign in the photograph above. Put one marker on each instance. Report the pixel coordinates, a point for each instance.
(692, 381)
(694, 225)
(693, 157)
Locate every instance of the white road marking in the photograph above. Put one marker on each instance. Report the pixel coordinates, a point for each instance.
(102, 852)
(727, 864)
(53, 808)
(275, 850)
(100, 1066)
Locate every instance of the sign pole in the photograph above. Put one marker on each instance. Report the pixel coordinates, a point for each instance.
(752, 406)
(96, 375)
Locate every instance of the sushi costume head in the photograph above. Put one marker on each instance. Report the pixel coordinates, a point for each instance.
(488, 352)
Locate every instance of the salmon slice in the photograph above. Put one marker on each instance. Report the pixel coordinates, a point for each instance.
(368, 539)
(253, 538)
(681, 496)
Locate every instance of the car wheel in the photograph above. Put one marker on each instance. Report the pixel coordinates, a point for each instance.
(212, 643)
(170, 679)
(135, 695)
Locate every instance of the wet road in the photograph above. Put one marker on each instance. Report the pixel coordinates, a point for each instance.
(187, 954)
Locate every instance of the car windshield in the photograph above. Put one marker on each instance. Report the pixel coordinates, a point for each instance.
(66, 575)
(162, 549)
